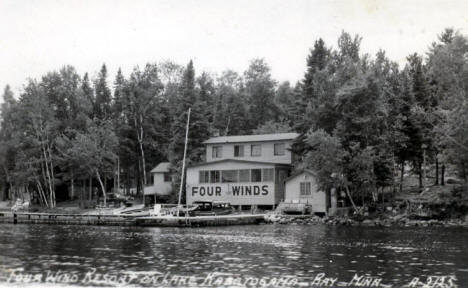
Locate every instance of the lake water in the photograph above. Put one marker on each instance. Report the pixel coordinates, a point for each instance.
(285, 255)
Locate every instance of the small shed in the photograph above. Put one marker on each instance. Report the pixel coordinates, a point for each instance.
(302, 187)
(161, 182)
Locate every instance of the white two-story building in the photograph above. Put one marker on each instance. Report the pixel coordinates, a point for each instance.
(242, 170)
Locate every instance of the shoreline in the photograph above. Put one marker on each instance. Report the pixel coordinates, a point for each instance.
(8, 217)
(379, 221)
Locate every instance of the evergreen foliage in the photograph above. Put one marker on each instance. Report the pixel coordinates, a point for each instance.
(362, 120)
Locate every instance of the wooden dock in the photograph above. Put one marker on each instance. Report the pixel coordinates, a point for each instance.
(200, 221)
(64, 219)
(118, 220)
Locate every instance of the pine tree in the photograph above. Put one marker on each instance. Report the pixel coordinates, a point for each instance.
(260, 90)
(198, 128)
(88, 96)
(119, 86)
(103, 95)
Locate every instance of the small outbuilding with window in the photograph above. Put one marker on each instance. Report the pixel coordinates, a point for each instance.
(302, 187)
(161, 184)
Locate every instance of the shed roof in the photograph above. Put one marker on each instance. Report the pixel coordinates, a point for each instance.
(251, 138)
(299, 172)
(237, 161)
(162, 167)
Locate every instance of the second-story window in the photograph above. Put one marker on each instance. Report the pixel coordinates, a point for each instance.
(239, 151)
(279, 149)
(256, 150)
(217, 152)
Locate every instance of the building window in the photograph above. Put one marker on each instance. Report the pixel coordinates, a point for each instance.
(167, 177)
(217, 151)
(256, 150)
(204, 177)
(279, 149)
(256, 175)
(214, 177)
(268, 175)
(238, 150)
(229, 176)
(305, 189)
(244, 175)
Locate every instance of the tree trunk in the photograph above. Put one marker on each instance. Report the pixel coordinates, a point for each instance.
(138, 177)
(90, 188)
(383, 196)
(424, 169)
(82, 192)
(42, 193)
(5, 195)
(402, 173)
(41, 200)
(362, 197)
(118, 175)
(442, 175)
(102, 188)
(49, 178)
(51, 167)
(127, 181)
(464, 172)
(437, 171)
(72, 188)
(350, 198)
(143, 164)
(140, 134)
(394, 174)
(420, 175)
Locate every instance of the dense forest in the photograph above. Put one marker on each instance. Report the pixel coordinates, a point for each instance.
(364, 121)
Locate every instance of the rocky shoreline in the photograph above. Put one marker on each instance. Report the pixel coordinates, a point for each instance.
(398, 221)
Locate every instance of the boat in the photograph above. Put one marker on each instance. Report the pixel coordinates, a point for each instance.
(133, 211)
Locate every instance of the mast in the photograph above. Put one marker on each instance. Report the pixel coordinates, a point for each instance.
(183, 162)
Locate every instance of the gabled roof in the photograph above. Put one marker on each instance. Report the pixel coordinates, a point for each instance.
(251, 138)
(299, 172)
(237, 161)
(162, 167)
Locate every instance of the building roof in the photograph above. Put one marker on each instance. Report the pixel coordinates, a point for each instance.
(251, 138)
(238, 161)
(162, 167)
(299, 172)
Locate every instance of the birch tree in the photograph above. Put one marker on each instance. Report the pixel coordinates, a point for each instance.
(94, 151)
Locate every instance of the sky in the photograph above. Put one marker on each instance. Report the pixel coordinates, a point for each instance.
(38, 36)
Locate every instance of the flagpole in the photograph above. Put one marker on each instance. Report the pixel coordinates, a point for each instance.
(183, 162)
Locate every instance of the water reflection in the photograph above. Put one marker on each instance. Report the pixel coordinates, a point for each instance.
(395, 254)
